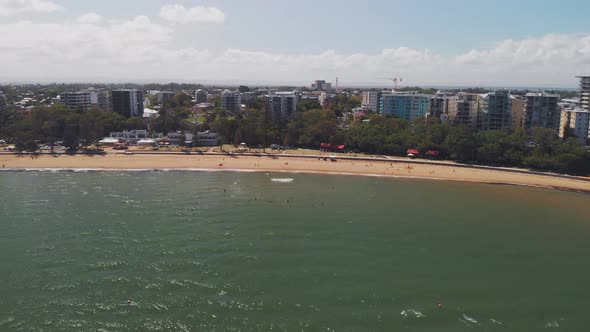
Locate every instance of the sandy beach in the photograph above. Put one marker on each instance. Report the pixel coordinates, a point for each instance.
(452, 172)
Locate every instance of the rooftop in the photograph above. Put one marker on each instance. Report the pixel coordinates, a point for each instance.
(542, 94)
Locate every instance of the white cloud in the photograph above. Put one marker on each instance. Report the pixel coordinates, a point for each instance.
(90, 18)
(138, 49)
(14, 7)
(198, 14)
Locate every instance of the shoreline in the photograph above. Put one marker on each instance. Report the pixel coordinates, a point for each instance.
(370, 167)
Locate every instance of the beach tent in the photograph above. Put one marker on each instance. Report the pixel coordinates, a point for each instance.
(108, 141)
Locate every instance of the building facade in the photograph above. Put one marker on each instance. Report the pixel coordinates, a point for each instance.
(518, 109)
(541, 110)
(575, 123)
(464, 111)
(128, 102)
(371, 100)
(201, 96)
(441, 105)
(231, 101)
(585, 92)
(495, 111)
(407, 106)
(321, 85)
(282, 105)
(84, 100)
(164, 96)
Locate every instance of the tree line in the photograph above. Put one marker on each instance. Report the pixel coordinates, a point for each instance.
(311, 125)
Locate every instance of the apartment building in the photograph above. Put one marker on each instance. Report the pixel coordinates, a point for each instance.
(282, 105)
(541, 110)
(405, 105)
(128, 102)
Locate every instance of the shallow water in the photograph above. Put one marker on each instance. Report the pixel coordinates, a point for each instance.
(202, 251)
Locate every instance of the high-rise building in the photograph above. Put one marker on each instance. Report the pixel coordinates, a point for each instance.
(441, 104)
(405, 105)
(231, 101)
(518, 109)
(541, 110)
(575, 123)
(496, 111)
(585, 92)
(201, 96)
(84, 100)
(321, 85)
(371, 100)
(463, 112)
(282, 105)
(128, 102)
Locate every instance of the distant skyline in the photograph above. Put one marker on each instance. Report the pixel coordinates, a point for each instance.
(427, 42)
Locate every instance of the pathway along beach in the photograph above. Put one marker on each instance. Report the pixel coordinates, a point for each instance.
(273, 163)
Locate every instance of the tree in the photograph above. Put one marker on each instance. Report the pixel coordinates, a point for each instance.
(181, 99)
(72, 132)
(31, 146)
(182, 140)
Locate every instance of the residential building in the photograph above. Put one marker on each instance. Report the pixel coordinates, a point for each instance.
(231, 101)
(495, 110)
(585, 92)
(518, 109)
(405, 105)
(464, 111)
(541, 110)
(371, 100)
(201, 96)
(132, 136)
(84, 100)
(323, 99)
(321, 85)
(441, 105)
(128, 102)
(282, 105)
(207, 138)
(164, 96)
(575, 123)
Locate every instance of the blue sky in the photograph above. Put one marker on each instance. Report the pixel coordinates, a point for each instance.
(453, 42)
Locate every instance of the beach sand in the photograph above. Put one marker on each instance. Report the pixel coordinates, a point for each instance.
(292, 164)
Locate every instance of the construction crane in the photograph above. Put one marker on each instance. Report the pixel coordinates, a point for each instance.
(393, 79)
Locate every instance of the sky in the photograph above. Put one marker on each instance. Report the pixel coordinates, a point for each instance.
(426, 42)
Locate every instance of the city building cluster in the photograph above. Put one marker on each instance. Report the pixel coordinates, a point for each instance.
(494, 110)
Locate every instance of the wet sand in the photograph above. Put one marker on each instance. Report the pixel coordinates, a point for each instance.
(451, 172)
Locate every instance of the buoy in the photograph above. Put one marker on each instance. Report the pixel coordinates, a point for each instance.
(440, 306)
(129, 301)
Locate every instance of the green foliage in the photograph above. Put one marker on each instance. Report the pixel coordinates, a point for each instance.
(539, 149)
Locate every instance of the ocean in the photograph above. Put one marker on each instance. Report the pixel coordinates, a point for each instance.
(223, 251)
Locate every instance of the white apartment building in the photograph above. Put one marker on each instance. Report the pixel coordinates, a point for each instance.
(371, 100)
(575, 123)
(282, 105)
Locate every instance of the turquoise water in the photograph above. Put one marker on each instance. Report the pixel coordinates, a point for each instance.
(197, 251)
